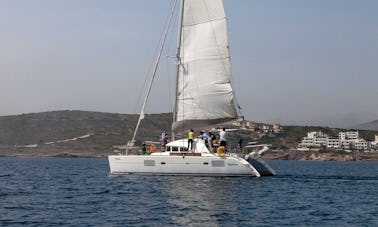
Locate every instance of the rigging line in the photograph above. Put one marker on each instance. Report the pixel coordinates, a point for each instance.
(169, 82)
(141, 115)
(151, 67)
(143, 88)
(182, 64)
(178, 56)
(168, 69)
(150, 70)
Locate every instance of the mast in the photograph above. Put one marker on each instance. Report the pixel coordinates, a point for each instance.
(156, 65)
(178, 62)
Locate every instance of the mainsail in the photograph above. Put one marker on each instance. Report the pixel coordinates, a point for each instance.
(204, 93)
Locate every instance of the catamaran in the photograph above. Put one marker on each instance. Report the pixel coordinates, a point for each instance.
(204, 98)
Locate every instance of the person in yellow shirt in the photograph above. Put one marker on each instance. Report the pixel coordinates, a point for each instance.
(190, 139)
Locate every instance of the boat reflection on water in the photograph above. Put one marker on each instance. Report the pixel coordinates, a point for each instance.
(203, 201)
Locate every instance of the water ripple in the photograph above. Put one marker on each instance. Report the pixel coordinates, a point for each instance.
(80, 192)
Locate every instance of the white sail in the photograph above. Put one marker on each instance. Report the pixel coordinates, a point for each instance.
(204, 93)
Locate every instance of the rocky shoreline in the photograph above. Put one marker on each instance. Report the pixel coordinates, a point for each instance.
(272, 155)
(321, 156)
(61, 153)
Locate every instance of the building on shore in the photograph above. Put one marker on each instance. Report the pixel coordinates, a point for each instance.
(346, 141)
(313, 140)
(374, 144)
(266, 129)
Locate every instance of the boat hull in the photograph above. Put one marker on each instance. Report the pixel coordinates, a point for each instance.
(181, 165)
(261, 166)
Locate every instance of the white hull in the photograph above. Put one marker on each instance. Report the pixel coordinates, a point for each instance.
(166, 164)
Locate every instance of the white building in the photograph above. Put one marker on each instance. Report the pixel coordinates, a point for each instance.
(250, 125)
(345, 140)
(320, 141)
(306, 142)
(333, 142)
(277, 128)
(360, 144)
(374, 144)
(342, 135)
(353, 135)
(346, 144)
(313, 139)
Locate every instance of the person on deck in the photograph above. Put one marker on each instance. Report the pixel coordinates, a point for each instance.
(214, 140)
(190, 139)
(163, 140)
(207, 139)
(210, 141)
(152, 148)
(223, 138)
(162, 136)
(144, 149)
(240, 145)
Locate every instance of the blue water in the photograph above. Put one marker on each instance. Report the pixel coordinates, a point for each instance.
(80, 192)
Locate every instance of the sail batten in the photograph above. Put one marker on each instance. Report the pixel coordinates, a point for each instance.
(203, 22)
(204, 92)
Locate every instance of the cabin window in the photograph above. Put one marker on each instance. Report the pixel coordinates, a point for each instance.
(149, 162)
(174, 148)
(217, 163)
(206, 163)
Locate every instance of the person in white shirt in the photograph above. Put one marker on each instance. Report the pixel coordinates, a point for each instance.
(223, 138)
(163, 140)
(207, 139)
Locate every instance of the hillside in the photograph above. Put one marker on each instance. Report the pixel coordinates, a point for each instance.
(373, 125)
(55, 131)
(81, 133)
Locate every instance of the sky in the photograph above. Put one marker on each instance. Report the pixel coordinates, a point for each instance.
(293, 62)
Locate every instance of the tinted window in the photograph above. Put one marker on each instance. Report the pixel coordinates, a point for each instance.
(149, 162)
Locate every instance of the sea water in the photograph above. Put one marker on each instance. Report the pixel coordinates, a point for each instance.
(80, 192)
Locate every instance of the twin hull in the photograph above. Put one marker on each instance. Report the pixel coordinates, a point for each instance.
(181, 165)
